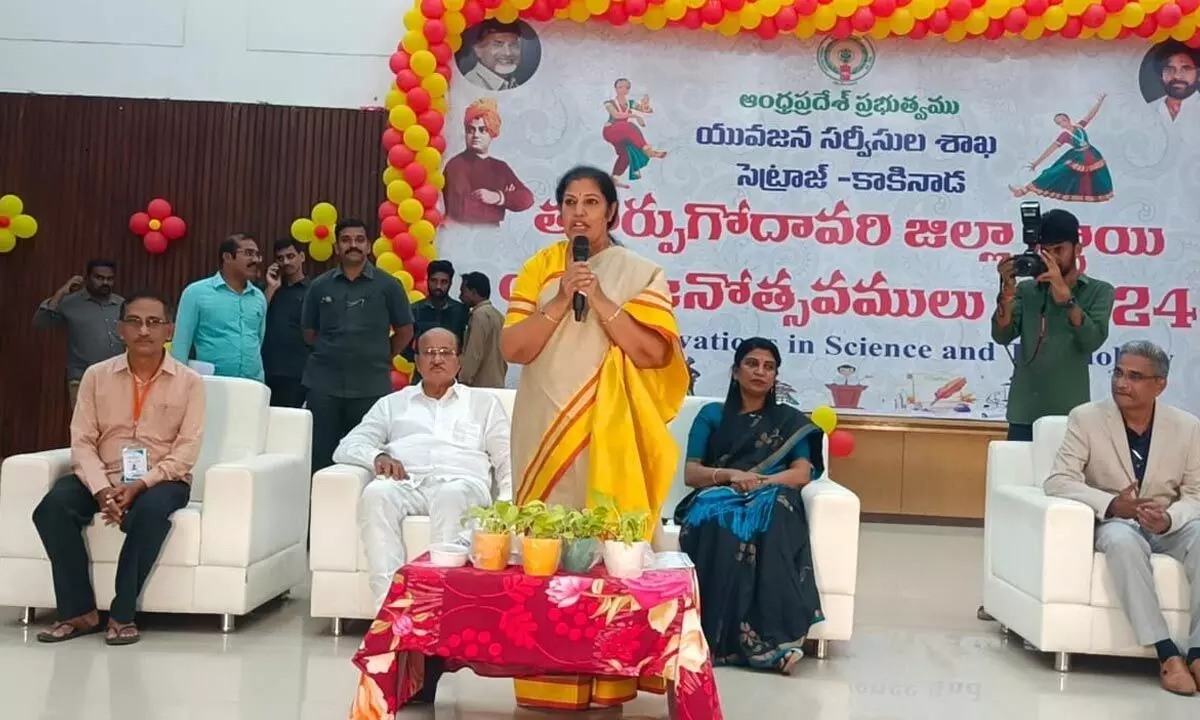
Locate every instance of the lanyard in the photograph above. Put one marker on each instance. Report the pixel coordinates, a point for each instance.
(139, 399)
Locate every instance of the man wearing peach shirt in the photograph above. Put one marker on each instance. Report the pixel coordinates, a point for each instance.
(135, 436)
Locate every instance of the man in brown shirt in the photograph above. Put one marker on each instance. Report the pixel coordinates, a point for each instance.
(135, 436)
(482, 364)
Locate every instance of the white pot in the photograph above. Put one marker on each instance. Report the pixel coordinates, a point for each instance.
(625, 561)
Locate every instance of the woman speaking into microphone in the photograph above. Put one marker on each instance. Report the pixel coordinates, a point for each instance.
(596, 393)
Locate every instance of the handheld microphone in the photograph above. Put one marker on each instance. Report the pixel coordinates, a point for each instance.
(579, 253)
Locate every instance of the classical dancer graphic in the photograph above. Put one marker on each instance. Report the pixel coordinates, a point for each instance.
(633, 152)
(1080, 174)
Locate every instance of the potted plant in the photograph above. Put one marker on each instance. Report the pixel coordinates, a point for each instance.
(491, 542)
(626, 548)
(581, 539)
(541, 547)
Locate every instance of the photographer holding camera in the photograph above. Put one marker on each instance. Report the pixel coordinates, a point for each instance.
(1061, 318)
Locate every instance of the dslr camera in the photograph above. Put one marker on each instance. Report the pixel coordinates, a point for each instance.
(1029, 263)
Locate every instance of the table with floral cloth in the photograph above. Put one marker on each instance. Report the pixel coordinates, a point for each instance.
(508, 624)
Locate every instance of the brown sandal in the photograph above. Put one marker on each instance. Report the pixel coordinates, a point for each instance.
(52, 635)
(122, 634)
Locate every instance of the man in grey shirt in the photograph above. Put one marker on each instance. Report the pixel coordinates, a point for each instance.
(90, 310)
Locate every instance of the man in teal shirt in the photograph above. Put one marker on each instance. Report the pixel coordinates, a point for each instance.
(224, 316)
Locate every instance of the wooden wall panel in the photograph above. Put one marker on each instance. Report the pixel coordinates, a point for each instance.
(84, 165)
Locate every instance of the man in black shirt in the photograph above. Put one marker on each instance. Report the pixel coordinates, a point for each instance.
(284, 350)
(439, 310)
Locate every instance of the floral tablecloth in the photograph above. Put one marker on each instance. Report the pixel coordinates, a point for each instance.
(508, 624)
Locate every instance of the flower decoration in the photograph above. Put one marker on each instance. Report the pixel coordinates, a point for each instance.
(14, 223)
(317, 231)
(157, 226)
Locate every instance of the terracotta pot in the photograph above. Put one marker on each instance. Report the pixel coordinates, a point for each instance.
(489, 551)
(625, 561)
(846, 396)
(540, 556)
(580, 556)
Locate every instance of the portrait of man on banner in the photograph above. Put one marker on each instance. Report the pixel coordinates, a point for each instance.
(1168, 80)
(481, 189)
(499, 56)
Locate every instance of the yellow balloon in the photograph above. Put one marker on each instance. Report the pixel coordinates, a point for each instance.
(402, 117)
(427, 251)
(996, 9)
(522, 4)
(1185, 29)
(23, 226)
(414, 41)
(389, 262)
(11, 206)
(597, 7)
(455, 23)
(435, 85)
(750, 17)
(302, 229)
(401, 364)
(1110, 29)
(655, 18)
(429, 158)
(393, 99)
(902, 21)
(437, 179)
(320, 250)
(415, 296)
(825, 418)
(399, 191)
(824, 17)
(422, 231)
(455, 42)
(769, 8)
(806, 28)
(921, 9)
(423, 63)
(844, 8)
(324, 214)
(1055, 18)
(391, 175)
(880, 29)
(440, 105)
(731, 24)
(413, 19)
(696, 4)
(416, 137)
(454, 5)
(8, 241)
(410, 210)
(1132, 15)
(1075, 7)
(1152, 5)
(405, 278)
(1034, 30)
(976, 22)
(506, 14)
(381, 246)
(956, 33)
(675, 9)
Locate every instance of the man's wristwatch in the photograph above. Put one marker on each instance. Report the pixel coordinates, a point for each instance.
(1070, 303)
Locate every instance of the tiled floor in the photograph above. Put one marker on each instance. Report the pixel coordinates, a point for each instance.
(918, 654)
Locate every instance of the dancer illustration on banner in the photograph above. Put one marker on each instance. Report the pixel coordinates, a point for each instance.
(480, 189)
(633, 152)
(1080, 174)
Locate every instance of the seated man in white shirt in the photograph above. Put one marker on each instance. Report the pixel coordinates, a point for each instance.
(435, 448)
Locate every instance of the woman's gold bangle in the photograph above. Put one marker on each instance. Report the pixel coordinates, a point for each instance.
(611, 318)
(552, 319)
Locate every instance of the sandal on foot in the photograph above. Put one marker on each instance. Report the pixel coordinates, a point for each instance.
(53, 636)
(122, 635)
(788, 662)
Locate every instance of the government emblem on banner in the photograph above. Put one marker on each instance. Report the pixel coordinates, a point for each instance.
(846, 60)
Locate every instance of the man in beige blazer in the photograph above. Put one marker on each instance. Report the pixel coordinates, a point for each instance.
(1136, 462)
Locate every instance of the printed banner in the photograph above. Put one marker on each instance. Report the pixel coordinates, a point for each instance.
(848, 198)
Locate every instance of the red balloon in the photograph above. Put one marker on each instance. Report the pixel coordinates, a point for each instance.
(1114, 6)
(422, 287)
(399, 380)
(400, 156)
(616, 14)
(691, 19)
(435, 31)
(958, 10)
(981, 3)
(444, 71)
(733, 5)
(433, 217)
(1036, 8)
(407, 80)
(174, 228)
(418, 99)
(387, 209)
(473, 12)
(155, 242)
(995, 29)
(1188, 6)
(398, 61)
(939, 21)
(321, 232)
(635, 8)
(404, 245)
(920, 30)
(863, 19)
(1072, 28)
(713, 11)
(432, 8)
(391, 138)
(804, 8)
(442, 53)
(841, 443)
(432, 120)
(1169, 15)
(1148, 27)
(415, 174)
(438, 142)
(159, 209)
(786, 20)
(1193, 42)
(427, 195)
(767, 29)
(392, 226)
(842, 29)
(1016, 20)
(561, 4)
(883, 8)
(1094, 16)
(417, 266)
(139, 223)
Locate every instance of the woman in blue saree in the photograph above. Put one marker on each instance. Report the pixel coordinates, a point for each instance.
(743, 525)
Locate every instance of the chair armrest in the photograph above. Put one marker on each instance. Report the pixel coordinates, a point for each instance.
(253, 509)
(1009, 463)
(334, 533)
(833, 521)
(24, 481)
(1041, 545)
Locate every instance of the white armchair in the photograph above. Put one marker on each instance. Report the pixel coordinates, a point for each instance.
(1042, 576)
(240, 541)
(339, 571)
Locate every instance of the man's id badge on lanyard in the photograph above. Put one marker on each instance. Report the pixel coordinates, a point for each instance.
(135, 463)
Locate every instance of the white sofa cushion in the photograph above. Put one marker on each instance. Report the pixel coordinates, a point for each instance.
(181, 548)
(1169, 579)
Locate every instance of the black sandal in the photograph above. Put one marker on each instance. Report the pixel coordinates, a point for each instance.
(49, 636)
(122, 635)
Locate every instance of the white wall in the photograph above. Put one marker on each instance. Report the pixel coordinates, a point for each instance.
(328, 53)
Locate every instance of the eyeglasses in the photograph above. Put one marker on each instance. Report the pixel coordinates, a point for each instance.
(250, 253)
(134, 322)
(1133, 376)
(438, 352)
